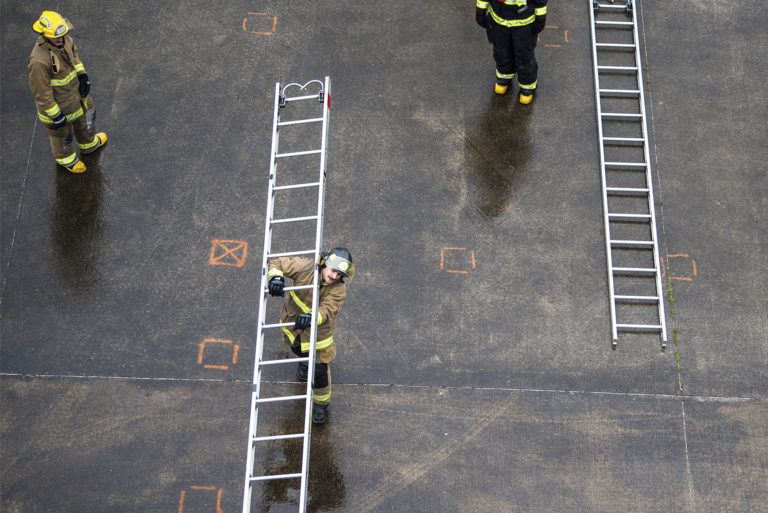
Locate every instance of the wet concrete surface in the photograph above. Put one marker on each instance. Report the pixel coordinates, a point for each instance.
(126, 356)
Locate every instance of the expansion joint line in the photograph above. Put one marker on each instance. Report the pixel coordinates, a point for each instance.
(663, 235)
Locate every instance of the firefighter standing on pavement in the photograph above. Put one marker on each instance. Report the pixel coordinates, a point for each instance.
(61, 88)
(513, 28)
(334, 266)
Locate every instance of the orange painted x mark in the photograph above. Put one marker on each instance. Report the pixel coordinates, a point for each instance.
(228, 252)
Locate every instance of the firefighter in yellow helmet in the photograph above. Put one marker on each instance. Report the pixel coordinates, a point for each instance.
(61, 88)
(333, 267)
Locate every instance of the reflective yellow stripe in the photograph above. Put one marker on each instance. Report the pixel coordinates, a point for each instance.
(299, 303)
(63, 81)
(79, 67)
(53, 111)
(511, 23)
(540, 11)
(44, 118)
(482, 4)
(66, 161)
(321, 344)
(521, 3)
(89, 145)
(509, 76)
(274, 272)
(288, 334)
(319, 318)
(322, 398)
(75, 114)
(528, 86)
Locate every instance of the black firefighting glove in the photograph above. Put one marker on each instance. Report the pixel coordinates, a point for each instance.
(276, 285)
(481, 17)
(538, 24)
(85, 85)
(59, 121)
(303, 321)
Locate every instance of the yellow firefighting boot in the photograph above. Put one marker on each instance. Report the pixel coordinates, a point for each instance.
(526, 96)
(102, 139)
(500, 88)
(77, 167)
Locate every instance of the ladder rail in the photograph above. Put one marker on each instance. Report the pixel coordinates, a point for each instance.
(604, 141)
(259, 350)
(649, 181)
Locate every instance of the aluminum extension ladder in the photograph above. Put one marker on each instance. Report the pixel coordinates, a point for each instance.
(631, 242)
(316, 183)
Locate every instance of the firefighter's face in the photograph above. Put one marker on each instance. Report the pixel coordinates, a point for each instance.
(57, 41)
(330, 275)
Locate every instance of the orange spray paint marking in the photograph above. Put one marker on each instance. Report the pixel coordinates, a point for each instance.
(458, 271)
(204, 488)
(228, 252)
(274, 23)
(679, 278)
(236, 348)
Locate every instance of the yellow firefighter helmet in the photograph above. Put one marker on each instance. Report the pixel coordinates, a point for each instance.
(52, 25)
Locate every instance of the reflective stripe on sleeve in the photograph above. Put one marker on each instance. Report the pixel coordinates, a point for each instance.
(321, 344)
(540, 11)
(63, 81)
(274, 272)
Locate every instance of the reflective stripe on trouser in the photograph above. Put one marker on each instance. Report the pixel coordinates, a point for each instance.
(513, 52)
(63, 139)
(325, 355)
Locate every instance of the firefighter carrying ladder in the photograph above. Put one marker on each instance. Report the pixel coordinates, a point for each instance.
(322, 99)
(631, 242)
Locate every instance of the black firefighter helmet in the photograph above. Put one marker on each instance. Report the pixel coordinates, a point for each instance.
(340, 260)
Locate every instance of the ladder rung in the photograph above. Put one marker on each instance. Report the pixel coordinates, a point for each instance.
(292, 253)
(628, 116)
(614, 24)
(298, 287)
(630, 93)
(283, 398)
(297, 153)
(626, 165)
(277, 437)
(627, 141)
(632, 243)
(629, 217)
(276, 476)
(621, 69)
(612, 7)
(637, 299)
(277, 325)
(295, 186)
(307, 97)
(299, 121)
(615, 46)
(634, 271)
(626, 191)
(287, 360)
(639, 327)
(293, 219)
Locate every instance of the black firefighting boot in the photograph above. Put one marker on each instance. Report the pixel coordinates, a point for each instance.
(302, 371)
(319, 413)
